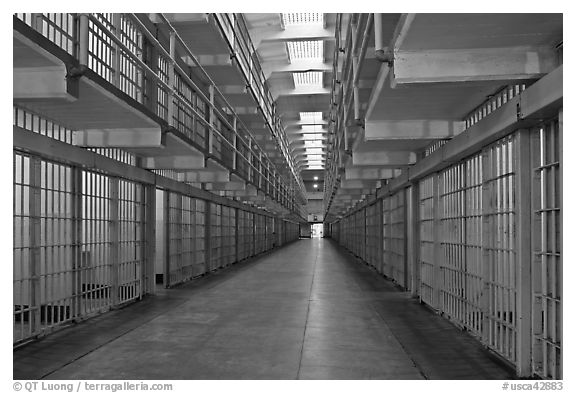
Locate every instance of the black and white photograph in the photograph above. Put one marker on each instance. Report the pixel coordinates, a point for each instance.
(286, 196)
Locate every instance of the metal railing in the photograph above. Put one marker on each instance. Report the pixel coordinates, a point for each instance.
(234, 29)
(126, 53)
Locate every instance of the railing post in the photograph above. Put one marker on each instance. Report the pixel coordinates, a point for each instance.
(171, 79)
(235, 142)
(83, 39)
(211, 121)
(116, 66)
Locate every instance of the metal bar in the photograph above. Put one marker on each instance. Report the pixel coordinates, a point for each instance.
(114, 239)
(150, 233)
(166, 240)
(523, 247)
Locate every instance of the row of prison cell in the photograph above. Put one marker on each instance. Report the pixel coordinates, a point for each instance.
(144, 61)
(195, 237)
(87, 239)
(457, 239)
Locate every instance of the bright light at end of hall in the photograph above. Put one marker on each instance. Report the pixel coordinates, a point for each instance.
(315, 185)
(315, 177)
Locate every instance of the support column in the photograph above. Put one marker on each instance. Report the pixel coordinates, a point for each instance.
(77, 213)
(114, 240)
(148, 270)
(413, 237)
(166, 238)
(208, 244)
(438, 257)
(523, 215)
(236, 233)
(34, 263)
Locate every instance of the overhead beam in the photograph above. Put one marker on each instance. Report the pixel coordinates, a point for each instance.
(225, 186)
(411, 129)
(300, 91)
(304, 65)
(43, 83)
(370, 173)
(178, 163)
(119, 137)
(389, 159)
(292, 33)
(296, 123)
(466, 65)
(354, 184)
(206, 176)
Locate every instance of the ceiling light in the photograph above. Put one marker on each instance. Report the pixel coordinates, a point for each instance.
(315, 185)
(315, 177)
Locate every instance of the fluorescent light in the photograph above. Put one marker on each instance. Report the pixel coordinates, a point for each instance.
(315, 177)
(315, 185)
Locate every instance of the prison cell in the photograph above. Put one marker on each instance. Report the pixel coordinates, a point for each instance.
(182, 236)
(546, 154)
(499, 241)
(215, 236)
(473, 227)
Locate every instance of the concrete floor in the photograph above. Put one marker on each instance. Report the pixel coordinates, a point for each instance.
(308, 311)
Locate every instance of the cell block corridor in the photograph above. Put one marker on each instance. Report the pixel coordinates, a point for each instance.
(287, 196)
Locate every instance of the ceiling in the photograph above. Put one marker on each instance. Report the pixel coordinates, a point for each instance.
(296, 54)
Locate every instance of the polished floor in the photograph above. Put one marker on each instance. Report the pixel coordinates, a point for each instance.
(307, 311)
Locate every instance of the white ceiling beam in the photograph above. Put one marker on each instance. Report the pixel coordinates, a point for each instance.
(293, 123)
(292, 33)
(301, 91)
(119, 137)
(390, 159)
(297, 65)
(478, 64)
(411, 129)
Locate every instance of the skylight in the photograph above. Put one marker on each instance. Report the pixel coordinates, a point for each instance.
(313, 139)
(306, 50)
(302, 18)
(308, 79)
(311, 117)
